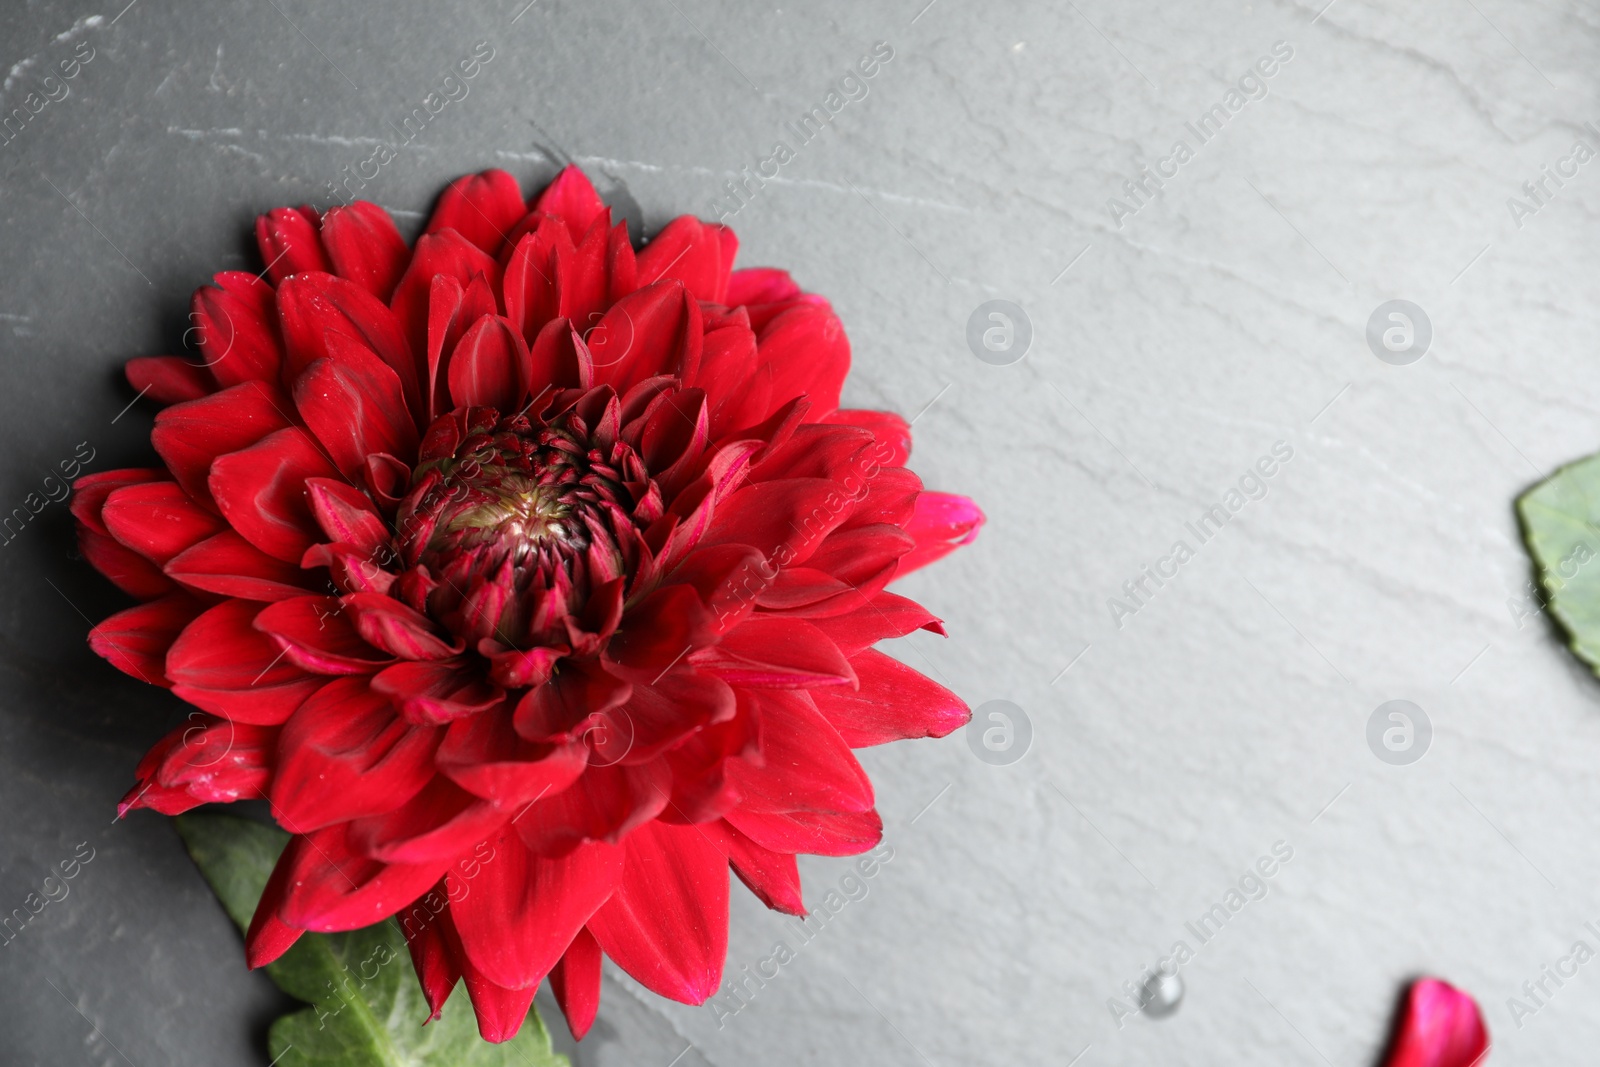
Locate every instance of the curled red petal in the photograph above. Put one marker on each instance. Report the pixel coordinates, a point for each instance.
(228, 565)
(1440, 1026)
(344, 754)
(169, 379)
(482, 207)
(942, 523)
(364, 246)
(572, 199)
(667, 922)
(334, 887)
(774, 877)
(289, 243)
(189, 437)
(136, 641)
(520, 913)
(484, 756)
(262, 491)
(893, 702)
(575, 980)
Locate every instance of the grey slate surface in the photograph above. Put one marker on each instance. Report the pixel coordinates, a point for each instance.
(1169, 353)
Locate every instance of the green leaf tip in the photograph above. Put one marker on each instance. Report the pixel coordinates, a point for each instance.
(366, 1007)
(1561, 525)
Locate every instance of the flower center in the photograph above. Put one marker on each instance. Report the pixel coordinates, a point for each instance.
(512, 513)
(511, 522)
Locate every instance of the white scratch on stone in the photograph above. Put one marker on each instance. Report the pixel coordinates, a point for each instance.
(22, 66)
(604, 162)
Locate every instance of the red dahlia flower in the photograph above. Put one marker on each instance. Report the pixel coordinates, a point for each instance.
(533, 582)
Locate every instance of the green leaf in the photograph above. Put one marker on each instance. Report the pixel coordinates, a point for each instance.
(366, 1006)
(1561, 523)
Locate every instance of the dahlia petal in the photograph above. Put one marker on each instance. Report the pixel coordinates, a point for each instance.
(621, 263)
(446, 253)
(863, 556)
(288, 241)
(870, 620)
(518, 669)
(666, 626)
(431, 957)
(490, 366)
(802, 590)
(228, 565)
(452, 308)
(235, 327)
(387, 624)
(364, 246)
(345, 754)
(785, 519)
(318, 634)
(1440, 1026)
(943, 522)
(701, 790)
(136, 641)
(893, 703)
(532, 294)
(190, 436)
(435, 692)
(774, 877)
(818, 450)
(128, 570)
(891, 498)
(332, 887)
(386, 478)
(890, 431)
(760, 285)
(777, 652)
(157, 519)
(727, 577)
(347, 516)
(654, 330)
(481, 207)
(580, 693)
(169, 379)
(571, 197)
(484, 756)
(520, 913)
(667, 922)
(657, 716)
(582, 279)
(559, 358)
(692, 252)
(355, 404)
(262, 491)
(500, 1011)
(575, 981)
(90, 492)
(217, 761)
(818, 833)
(805, 765)
(807, 352)
(439, 823)
(314, 307)
(727, 360)
(677, 428)
(221, 650)
(269, 936)
(606, 803)
(262, 705)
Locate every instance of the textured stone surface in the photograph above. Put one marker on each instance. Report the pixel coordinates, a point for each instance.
(1221, 717)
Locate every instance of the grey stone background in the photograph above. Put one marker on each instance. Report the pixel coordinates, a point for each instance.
(1170, 352)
